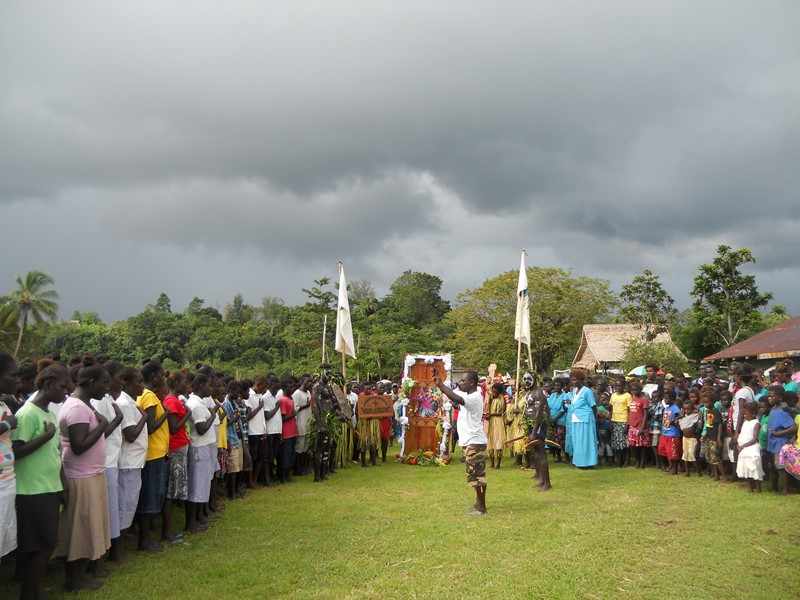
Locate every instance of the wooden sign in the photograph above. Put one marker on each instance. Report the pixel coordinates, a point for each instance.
(374, 406)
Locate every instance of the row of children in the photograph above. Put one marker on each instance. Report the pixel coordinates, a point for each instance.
(744, 429)
(95, 447)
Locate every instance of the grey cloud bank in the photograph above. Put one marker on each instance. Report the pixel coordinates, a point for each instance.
(247, 147)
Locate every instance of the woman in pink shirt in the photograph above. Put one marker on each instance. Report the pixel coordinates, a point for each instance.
(84, 534)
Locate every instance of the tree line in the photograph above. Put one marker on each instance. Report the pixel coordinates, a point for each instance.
(412, 317)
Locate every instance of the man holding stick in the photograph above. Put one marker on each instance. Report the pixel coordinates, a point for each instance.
(471, 435)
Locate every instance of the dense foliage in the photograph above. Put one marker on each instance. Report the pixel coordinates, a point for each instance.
(412, 317)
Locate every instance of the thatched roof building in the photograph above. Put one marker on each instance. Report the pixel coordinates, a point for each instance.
(603, 345)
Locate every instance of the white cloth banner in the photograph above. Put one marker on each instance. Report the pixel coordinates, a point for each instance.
(344, 326)
(522, 327)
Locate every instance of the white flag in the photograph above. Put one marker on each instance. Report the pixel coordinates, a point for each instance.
(522, 328)
(344, 327)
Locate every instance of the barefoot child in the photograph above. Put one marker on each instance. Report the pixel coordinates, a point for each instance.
(669, 445)
(748, 463)
(712, 434)
(638, 433)
(688, 424)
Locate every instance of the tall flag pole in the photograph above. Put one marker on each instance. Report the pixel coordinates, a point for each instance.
(344, 326)
(522, 326)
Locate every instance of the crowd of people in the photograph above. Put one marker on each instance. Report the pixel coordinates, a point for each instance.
(93, 450)
(741, 428)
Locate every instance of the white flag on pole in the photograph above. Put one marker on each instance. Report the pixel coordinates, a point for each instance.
(522, 328)
(344, 326)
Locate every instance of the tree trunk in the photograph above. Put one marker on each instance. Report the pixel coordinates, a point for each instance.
(21, 331)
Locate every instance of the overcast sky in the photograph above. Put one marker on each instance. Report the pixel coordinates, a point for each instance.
(209, 148)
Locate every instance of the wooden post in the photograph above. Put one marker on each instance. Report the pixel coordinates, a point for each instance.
(344, 366)
(324, 332)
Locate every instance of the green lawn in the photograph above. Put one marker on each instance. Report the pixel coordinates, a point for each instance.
(399, 531)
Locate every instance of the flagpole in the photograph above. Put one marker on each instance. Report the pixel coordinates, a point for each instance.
(344, 359)
(324, 331)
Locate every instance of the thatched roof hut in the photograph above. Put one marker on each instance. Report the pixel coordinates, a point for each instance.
(603, 345)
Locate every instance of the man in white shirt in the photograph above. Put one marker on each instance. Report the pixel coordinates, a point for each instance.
(352, 398)
(257, 430)
(471, 435)
(272, 416)
(302, 403)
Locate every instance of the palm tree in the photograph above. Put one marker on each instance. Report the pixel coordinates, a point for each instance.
(32, 300)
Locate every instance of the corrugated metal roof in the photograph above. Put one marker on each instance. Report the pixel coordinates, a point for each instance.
(781, 341)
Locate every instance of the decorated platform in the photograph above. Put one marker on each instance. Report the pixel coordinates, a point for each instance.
(424, 408)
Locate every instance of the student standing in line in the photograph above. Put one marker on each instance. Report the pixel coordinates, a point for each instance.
(178, 457)
(107, 407)
(38, 475)
(638, 431)
(620, 408)
(748, 462)
(155, 474)
(202, 454)
(288, 436)
(133, 451)
(8, 484)
(84, 532)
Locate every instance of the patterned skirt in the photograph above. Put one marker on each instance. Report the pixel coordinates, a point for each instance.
(619, 435)
(789, 457)
(178, 486)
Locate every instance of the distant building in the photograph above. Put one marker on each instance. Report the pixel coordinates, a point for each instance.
(603, 346)
(765, 348)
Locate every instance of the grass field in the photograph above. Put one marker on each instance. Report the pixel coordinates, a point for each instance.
(399, 531)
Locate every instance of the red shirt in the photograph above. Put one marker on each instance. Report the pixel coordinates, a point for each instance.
(289, 425)
(180, 438)
(637, 412)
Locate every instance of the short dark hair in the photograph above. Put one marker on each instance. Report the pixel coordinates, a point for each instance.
(150, 369)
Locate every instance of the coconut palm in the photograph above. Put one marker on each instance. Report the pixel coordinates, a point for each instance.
(32, 300)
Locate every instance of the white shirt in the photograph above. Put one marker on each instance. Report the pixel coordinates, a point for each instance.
(470, 419)
(199, 413)
(105, 406)
(133, 454)
(275, 424)
(300, 399)
(258, 425)
(745, 395)
(649, 388)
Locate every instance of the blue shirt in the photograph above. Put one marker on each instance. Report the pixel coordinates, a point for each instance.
(669, 428)
(778, 419)
(233, 418)
(582, 404)
(556, 404)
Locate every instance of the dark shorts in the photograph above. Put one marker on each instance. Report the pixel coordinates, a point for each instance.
(37, 522)
(475, 461)
(258, 447)
(155, 476)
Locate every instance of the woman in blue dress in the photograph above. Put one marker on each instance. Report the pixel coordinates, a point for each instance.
(568, 439)
(581, 424)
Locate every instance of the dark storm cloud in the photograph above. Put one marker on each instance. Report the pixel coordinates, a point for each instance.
(277, 138)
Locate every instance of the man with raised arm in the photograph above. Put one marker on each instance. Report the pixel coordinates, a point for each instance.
(471, 436)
